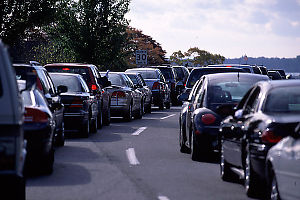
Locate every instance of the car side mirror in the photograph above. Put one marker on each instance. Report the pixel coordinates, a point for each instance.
(62, 89)
(239, 114)
(183, 97)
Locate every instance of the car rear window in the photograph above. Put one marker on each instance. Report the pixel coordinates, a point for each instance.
(179, 72)
(116, 79)
(196, 74)
(133, 78)
(83, 71)
(167, 72)
(289, 104)
(147, 74)
(71, 82)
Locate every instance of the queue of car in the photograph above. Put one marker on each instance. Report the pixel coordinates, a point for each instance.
(251, 123)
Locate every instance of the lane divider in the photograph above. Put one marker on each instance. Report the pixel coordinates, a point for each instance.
(168, 116)
(131, 157)
(137, 132)
(163, 198)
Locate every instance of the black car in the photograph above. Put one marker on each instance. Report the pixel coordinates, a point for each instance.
(92, 77)
(216, 95)
(269, 111)
(197, 72)
(45, 84)
(39, 127)
(140, 84)
(80, 104)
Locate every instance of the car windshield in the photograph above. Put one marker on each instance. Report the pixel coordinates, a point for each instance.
(283, 100)
(116, 79)
(197, 73)
(71, 82)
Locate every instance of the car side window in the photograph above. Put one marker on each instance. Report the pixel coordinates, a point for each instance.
(244, 99)
(252, 101)
(52, 89)
(128, 82)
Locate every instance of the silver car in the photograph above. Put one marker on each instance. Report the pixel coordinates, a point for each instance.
(126, 100)
(283, 168)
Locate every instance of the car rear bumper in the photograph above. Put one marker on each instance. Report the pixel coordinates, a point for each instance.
(74, 121)
(207, 138)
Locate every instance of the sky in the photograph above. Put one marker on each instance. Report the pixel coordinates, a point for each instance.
(232, 28)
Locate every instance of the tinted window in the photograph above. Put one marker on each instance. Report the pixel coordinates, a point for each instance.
(147, 74)
(71, 82)
(167, 72)
(283, 100)
(133, 78)
(179, 72)
(116, 79)
(83, 71)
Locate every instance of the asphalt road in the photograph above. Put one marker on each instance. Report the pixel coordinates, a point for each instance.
(132, 161)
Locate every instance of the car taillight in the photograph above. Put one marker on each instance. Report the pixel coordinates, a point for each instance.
(77, 103)
(33, 115)
(94, 87)
(155, 86)
(118, 94)
(270, 137)
(208, 119)
(65, 69)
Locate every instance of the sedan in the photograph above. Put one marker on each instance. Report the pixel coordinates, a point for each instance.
(268, 112)
(80, 104)
(216, 95)
(282, 167)
(126, 100)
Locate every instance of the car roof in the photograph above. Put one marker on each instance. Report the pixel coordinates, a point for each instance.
(69, 65)
(141, 69)
(234, 75)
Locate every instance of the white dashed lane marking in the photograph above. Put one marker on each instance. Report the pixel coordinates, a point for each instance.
(163, 198)
(131, 157)
(137, 132)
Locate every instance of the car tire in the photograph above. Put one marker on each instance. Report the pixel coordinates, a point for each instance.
(139, 113)
(273, 188)
(195, 151)
(94, 124)
(168, 105)
(48, 162)
(128, 114)
(148, 108)
(250, 177)
(100, 119)
(86, 129)
(60, 139)
(106, 120)
(225, 172)
(182, 140)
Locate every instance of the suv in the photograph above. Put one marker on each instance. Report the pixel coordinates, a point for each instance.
(45, 84)
(93, 79)
(156, 81)
(12, 144)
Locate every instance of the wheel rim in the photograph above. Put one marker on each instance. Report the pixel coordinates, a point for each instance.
(247, 172)
(274, 189)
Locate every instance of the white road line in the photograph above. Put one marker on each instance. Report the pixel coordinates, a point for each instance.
(137, 132)
(163, 198)
(131, 157)
(168, 116)
(150, 118)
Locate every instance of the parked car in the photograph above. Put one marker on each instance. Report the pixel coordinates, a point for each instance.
(216, 95)
(45, 84)
(92, 77)
(263, 70)
(126, 100)
(245, 67)
(274, 75)
(281, 72)
(156, 81)
(140, 84)
(282, 167)
(256, 69)
(39, 130)
(269, 111)
(182, 74)
(12, 143)
(171, 79)
(81, 106)
(198, 72)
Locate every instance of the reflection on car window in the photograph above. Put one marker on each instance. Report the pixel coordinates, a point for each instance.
(167, 72)
(71, 82)
(116, 79)
(277, 104)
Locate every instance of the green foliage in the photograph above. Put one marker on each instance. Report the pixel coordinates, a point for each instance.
(197, 57)
(17, 17)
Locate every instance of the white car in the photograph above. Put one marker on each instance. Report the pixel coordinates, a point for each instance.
(283, 168)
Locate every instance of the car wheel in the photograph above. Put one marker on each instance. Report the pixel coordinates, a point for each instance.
(106, 120)
(274, 193)
(148, 108)
(99, 120)
(182, 140)
(140, 112)
(225, 171)
(60, 139)
(250, 177)
(195, 155)
(128, 114)
(86, 129)
(48, 163)
(19, 190)
(94, 125)
(168, 105)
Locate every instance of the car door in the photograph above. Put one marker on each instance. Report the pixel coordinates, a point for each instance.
(232, 132)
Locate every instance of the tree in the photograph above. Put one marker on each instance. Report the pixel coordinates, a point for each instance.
(94, 29)
(197, 57)
(136, 40)
(18, 17)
